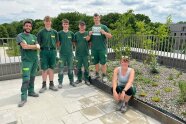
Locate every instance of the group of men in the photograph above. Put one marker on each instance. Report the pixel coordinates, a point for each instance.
(48, 40)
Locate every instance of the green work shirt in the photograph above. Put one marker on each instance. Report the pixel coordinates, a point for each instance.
(47, 39)
(27, 54)
(99, 40)
(81, 44)
(66, 39)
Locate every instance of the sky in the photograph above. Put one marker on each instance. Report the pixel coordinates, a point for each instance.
(157, 10)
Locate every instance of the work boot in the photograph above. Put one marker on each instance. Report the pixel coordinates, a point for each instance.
(78, 81)
(60, 86)
(124, 107)
(104, 78)
(52, 87)
(97, 75)
(73, 84)
(42, 90)
(21, 104)
(33, 94)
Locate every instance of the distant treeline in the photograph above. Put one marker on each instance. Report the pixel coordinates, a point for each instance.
(132, 23)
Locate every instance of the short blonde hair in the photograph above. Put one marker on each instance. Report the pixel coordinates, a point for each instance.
(65, 21)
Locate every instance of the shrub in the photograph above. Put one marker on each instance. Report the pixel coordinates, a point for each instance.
(154, 84)
(143, 94)
(182, 87)
(170, 77)
(155, 99)
(178, 74)
(157, 92)
(168, 89)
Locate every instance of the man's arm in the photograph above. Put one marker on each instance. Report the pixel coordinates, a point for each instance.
(24, 45)
(106, 32)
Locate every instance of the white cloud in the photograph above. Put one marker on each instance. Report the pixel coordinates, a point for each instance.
(157, 10)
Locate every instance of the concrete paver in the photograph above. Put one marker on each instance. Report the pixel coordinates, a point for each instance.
(70, 105)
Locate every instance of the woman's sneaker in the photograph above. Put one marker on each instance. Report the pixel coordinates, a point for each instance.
(124, 107)
(118, 106)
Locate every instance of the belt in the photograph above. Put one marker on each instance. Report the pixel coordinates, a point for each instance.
(47, 48)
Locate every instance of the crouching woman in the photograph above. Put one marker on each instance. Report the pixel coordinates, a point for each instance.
(122, 84)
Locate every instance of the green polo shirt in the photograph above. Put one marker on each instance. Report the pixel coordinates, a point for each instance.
(27, 54)
(81, 44)
(47, 39)
(66, 39)
(99, 40)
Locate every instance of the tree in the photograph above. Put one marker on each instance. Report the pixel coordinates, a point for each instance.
(73, 17)
(110, 19)
(143, 18)
(3, 32)
(37, 26)
(11, 31)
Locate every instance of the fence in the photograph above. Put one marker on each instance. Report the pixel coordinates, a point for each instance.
(171, 51)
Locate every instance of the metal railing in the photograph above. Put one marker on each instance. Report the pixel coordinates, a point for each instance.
(172, 47)
(171, 50)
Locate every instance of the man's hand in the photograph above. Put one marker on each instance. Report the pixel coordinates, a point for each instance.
(90, 33)
(38, 46)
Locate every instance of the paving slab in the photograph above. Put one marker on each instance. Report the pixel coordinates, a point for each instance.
(69, 105)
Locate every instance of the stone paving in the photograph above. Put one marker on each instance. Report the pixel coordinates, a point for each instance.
(80, 105)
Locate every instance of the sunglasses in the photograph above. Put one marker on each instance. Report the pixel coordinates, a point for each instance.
(124, 60)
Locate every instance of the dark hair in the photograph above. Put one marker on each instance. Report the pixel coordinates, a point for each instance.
(65, 21)
(27, 21)
(96, 14)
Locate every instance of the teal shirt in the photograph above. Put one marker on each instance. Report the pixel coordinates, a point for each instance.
(99, 40)
(66, 39)
(27, 54)
(81, 44)
(47, 39)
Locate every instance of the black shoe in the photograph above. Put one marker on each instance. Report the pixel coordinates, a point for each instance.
(21, 104)
(33, 94)
(42, 90)
(119, 105)
(87, 82)
(78, 81)
(73, 84)
(52, 87)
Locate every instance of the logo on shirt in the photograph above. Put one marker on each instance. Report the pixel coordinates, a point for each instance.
(52, 36)
(69, 37)
(96, 31)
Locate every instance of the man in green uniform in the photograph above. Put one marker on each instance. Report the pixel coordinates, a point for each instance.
(47, 38)
(99, 35)
(82, 52)
(66, 39)
(28, 48)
